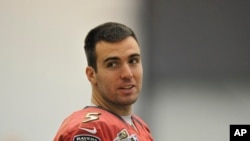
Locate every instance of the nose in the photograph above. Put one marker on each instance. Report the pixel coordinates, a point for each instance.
(126, 72)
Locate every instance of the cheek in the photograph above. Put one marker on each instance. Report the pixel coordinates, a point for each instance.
(105, 81)
(138, 74)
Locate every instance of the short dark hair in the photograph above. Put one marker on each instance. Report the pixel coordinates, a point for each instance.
(109, 32)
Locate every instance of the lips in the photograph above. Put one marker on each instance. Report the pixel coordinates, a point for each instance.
(127, 87)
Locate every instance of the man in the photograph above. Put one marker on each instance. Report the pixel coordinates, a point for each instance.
(115, 73)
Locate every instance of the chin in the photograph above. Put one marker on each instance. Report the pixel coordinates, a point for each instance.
(128, 102)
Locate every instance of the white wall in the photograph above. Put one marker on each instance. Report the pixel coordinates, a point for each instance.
(42, 61)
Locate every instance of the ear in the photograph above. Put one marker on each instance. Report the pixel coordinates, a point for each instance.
(91, 74)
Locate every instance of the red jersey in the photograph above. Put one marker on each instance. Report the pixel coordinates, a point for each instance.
(97, 124)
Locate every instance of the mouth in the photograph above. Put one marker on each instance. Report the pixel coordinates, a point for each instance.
(127, 87)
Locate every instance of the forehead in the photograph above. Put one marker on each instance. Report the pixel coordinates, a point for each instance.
(121, 49)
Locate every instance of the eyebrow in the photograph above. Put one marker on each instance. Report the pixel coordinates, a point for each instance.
(134, 55)
(117, 58)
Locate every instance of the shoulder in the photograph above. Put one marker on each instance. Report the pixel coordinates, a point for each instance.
(140, 121)
(89, 122)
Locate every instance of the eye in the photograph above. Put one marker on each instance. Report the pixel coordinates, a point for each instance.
(134, 60)
(112, 64)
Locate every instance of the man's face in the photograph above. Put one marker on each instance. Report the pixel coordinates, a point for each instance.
(118, 79)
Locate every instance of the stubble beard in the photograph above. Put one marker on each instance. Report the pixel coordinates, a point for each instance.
(121, 101)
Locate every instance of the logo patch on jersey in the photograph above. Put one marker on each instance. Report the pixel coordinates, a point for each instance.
(123, 135)
(92, 131)
(84, 137)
